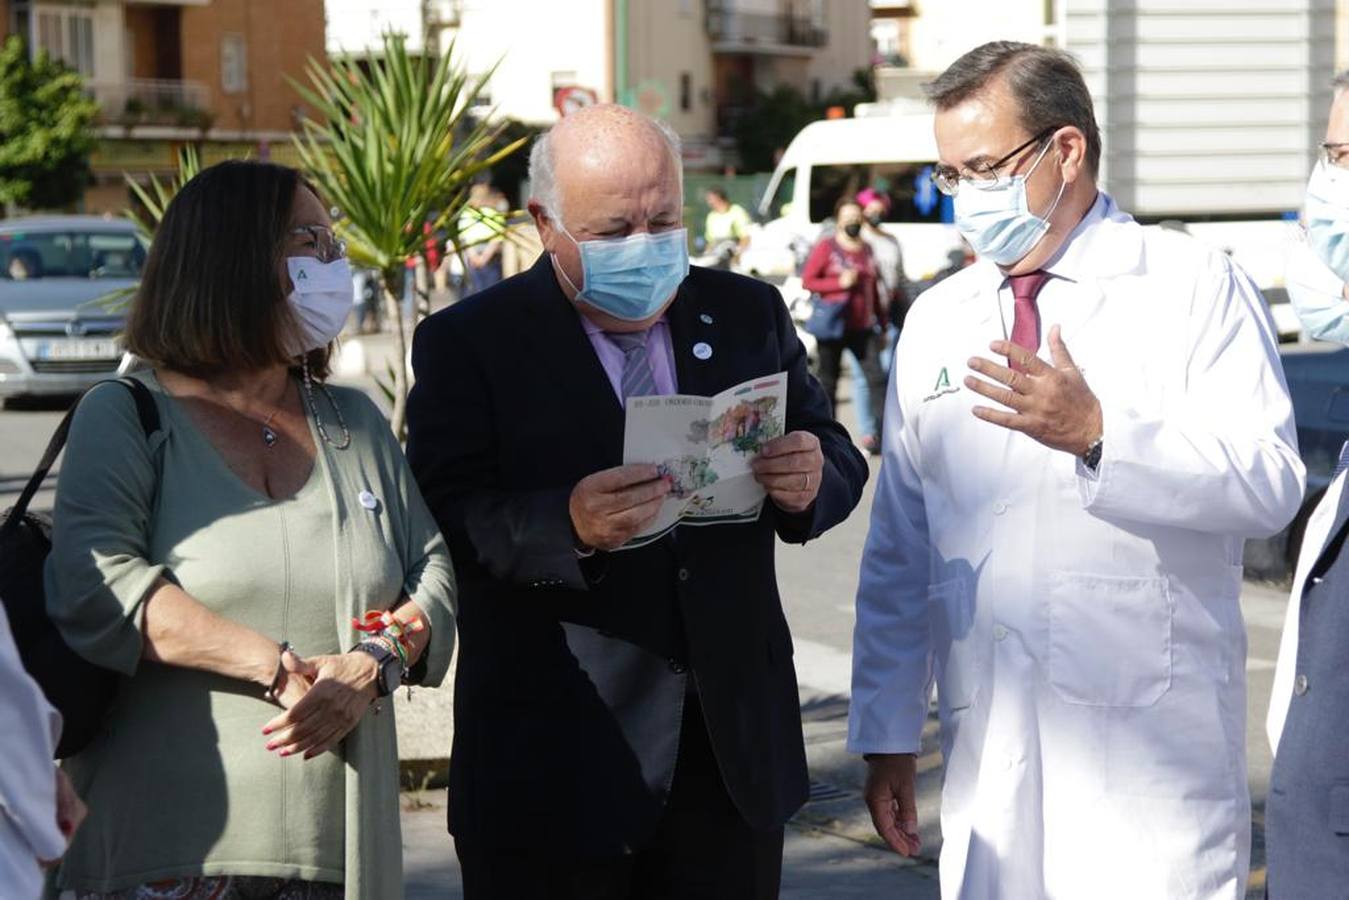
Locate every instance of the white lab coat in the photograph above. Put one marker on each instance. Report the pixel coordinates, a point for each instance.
(1083, 630)
(28, 830)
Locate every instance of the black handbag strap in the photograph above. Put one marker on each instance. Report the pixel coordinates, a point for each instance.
(146, 411)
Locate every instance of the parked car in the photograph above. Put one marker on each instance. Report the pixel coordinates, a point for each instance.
(58, 328)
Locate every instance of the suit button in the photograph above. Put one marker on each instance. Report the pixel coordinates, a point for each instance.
(677, 667)
(683, 574)
(1300, 685)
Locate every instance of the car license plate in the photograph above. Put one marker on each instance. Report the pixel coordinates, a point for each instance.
(75, 349)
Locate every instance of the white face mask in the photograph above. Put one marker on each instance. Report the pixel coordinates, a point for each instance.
(1327, 216)
(321, 301)
(997, 220)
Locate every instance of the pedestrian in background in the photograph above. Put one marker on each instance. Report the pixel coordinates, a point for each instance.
(841, 273)
(1083, 428)
(893, 286)
(889, 258)
(481, 228)
(1307, 811)
(726, 223)
(627, 723)
(220, 564)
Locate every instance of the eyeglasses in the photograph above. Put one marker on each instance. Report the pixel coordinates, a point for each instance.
(947, 179)
(1335, 153)
(326, 245)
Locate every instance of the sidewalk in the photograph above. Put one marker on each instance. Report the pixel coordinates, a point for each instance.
(831, 851)
(816, 865)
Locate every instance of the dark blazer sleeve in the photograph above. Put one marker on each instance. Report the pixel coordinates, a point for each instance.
(808, 409)
(520, 537)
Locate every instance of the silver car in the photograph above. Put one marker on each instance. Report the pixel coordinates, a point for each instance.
(60, 277)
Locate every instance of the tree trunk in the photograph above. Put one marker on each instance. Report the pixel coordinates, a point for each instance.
(398, 418)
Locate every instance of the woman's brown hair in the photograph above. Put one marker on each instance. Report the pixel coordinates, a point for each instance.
(211, 298)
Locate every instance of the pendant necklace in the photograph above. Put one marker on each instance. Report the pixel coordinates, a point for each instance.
(269, 436)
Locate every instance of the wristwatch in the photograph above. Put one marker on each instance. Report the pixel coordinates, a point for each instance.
(390, 666)
(1092, 458)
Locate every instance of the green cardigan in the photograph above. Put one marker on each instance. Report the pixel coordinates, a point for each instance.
(105, 558)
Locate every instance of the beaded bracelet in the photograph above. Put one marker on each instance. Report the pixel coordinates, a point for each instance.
(392, 646)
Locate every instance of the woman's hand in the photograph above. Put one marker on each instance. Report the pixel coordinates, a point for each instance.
(847, 278)
(70, 811)
(342, 689)
(292, 685)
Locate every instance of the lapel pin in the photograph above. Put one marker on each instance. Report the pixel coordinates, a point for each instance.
(368, 500)
(702, 351)
(705, 319)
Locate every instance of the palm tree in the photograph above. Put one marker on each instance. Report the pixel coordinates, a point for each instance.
(392, 144)
(155, 196)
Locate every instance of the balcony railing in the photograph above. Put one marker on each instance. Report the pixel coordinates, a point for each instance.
(155, 101)
(727, 25)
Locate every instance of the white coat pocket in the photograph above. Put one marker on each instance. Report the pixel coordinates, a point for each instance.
(951, 616)
(1109, 639)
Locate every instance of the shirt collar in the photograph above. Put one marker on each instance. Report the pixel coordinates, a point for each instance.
(592, 328)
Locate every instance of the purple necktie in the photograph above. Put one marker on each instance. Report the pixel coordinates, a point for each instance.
(1026, 324)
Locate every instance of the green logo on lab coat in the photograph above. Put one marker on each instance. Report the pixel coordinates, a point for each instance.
(943, 381)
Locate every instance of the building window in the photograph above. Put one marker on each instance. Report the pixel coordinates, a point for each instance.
(67, 35)
(233, 64)
(685, 91)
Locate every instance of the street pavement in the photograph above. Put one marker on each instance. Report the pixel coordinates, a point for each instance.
(831, 851)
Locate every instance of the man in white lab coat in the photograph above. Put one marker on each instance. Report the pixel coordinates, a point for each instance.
(1081, 430)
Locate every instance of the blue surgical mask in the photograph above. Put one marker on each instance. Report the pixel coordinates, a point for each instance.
(1328, 216)
(630, 278)
(1324, 313)
(996, 219)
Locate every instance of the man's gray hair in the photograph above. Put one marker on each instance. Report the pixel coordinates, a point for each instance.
(543, 174)
(1046, 83)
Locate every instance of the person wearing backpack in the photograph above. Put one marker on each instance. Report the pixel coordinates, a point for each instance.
(261, 571)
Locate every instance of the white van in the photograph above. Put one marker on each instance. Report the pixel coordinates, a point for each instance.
(830, 159)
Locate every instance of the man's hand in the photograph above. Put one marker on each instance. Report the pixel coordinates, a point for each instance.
(1052, 404)
(790, 468)
(890, 798)
(610, 507)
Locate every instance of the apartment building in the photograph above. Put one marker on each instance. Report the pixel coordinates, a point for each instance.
(695, 63)
(166, 73)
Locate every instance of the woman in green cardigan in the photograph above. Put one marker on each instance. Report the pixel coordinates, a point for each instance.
(223, 565)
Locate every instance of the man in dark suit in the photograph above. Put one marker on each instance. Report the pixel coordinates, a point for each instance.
(1307, 810)
(626, 721)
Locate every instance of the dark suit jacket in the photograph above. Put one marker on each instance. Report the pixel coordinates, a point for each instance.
(572, 674)
(1307, 810)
